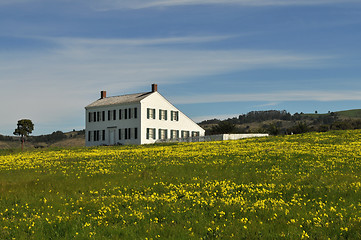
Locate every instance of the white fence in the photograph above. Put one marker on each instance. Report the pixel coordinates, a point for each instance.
(219, 137)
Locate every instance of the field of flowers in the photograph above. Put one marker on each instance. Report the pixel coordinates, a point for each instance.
(287, 187)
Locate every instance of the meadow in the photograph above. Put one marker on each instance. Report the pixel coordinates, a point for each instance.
(286, 187)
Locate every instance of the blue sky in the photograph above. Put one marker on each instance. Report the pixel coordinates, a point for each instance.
(211, 58)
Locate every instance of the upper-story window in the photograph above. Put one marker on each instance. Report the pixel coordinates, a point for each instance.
(94, 116)
(162, 114)
(112, 115)
(150, 113)
(174, 115)
(135, 112)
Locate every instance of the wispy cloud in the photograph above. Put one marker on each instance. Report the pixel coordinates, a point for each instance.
(136, 41)
(307, 95)
(267, 104)
(139, 4)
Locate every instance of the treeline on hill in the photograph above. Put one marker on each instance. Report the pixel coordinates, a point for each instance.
(55, 136)
(277, 122)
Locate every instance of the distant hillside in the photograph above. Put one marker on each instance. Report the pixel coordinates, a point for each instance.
(355, 113)
(55, 139)
(282, 122)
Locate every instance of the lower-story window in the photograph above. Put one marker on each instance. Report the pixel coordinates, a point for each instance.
(195, 134)
(96, 135)
(163, 134)
(127, 133)
(174, 134)
(150, 133)
(185, 134)
(89, 136)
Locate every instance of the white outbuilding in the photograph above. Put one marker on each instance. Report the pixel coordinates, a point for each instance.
(138, 118)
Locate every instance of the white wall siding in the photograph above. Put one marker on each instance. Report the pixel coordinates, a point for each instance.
(158, 102)
(111, 127)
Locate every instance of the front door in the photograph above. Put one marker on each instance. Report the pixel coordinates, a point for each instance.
(112, 136)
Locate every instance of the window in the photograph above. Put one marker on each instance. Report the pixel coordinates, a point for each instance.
(89, 117)
(127, 133)
(129, 113)
(174, 115)
(135, 112)
(135, 133)
(96, 136)
(185, 134)
(93, 117)
(89, 136)
(162, 114)
(98, 116)
(125, 113)
(120, 134)
(163, 134)
(150, 113)
(174, 134)
(112, 115)
(120, 114)
(103, 115)
(150, 133)
(195, 134)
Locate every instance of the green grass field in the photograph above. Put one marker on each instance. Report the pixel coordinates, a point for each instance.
(287, 187)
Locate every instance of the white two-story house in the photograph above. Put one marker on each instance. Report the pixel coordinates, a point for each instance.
(138, 118)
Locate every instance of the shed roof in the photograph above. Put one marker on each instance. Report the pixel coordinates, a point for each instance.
(129, 98)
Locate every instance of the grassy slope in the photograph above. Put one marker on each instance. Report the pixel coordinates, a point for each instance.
(355, 113)
(288, 187)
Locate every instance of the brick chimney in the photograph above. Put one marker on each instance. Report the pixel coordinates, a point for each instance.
(103, 94)
(154, 87)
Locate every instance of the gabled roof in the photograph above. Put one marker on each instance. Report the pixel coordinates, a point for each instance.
(129, 98)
